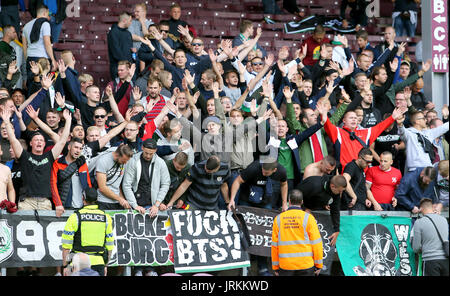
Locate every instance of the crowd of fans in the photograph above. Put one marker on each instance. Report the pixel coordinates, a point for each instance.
(183, 126)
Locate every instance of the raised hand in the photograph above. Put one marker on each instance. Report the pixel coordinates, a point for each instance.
(189, 78)
(12, 68)
(137, 93)
(394, 64)
(62, 67)
(281, 67)
(346, 96)
(288, 93)
(34, 68)
(67, 115)
(302, 54)
(426, 66)
(132, 71)
(128, 115)
(349, 70)
(47, 81)
(398, 112)
(60, 100)
(212, 55)
(445, 111)
(158, 36)
(330, 87)
(183, 30)
(401, 48)
(31, 112)
(5, 115)
(109, 91)
(269, 60)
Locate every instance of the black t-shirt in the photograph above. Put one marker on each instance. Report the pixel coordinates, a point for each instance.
(358, 180)
(253, 176)
(91, 149)
(385, 142)
(36, 171)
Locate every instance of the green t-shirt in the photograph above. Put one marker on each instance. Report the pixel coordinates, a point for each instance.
(285, 158)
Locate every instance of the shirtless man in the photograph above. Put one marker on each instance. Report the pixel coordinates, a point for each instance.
(6, 185)
(323, 167)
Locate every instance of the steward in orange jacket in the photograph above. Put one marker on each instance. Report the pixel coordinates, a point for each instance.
(296, 242)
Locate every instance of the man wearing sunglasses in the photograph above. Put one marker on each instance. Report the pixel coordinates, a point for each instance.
(356, 191)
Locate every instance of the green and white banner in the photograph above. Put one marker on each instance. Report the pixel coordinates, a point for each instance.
(376, 246)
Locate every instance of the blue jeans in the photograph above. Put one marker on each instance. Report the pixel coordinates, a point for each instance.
(404, 27)
(56, 29)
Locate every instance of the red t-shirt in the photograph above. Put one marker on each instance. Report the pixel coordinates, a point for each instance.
(150, 128)
(383, 183)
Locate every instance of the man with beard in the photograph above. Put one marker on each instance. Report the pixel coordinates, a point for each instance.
(414, 186)
(371, 115)
(69, 178)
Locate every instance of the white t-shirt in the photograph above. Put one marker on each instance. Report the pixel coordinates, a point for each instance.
(37, 49)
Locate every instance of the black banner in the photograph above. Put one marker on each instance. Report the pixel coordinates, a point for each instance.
(259, 223)
(206, 241)
(27, 242)
(326, 229)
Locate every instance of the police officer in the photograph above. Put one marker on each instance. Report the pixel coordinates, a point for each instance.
(89, 230)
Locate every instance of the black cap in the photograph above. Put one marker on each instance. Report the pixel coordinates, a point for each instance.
(90, 194)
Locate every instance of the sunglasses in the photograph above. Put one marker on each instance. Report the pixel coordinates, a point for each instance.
(367, 161)
(258, 64)
(164, 31)
(197, 44)
(99, 116)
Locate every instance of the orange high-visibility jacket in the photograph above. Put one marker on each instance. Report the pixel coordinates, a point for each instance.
(296, 241)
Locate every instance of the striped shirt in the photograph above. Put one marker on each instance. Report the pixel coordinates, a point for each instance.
(156, 108)
(204, 192)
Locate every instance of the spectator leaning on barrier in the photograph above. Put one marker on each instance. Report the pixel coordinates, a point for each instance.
(178, 169)
(109, 173)
(425, 239)
(255, 184)
(146, 180)
(204, 183)
(297, 247)
(324, 193)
